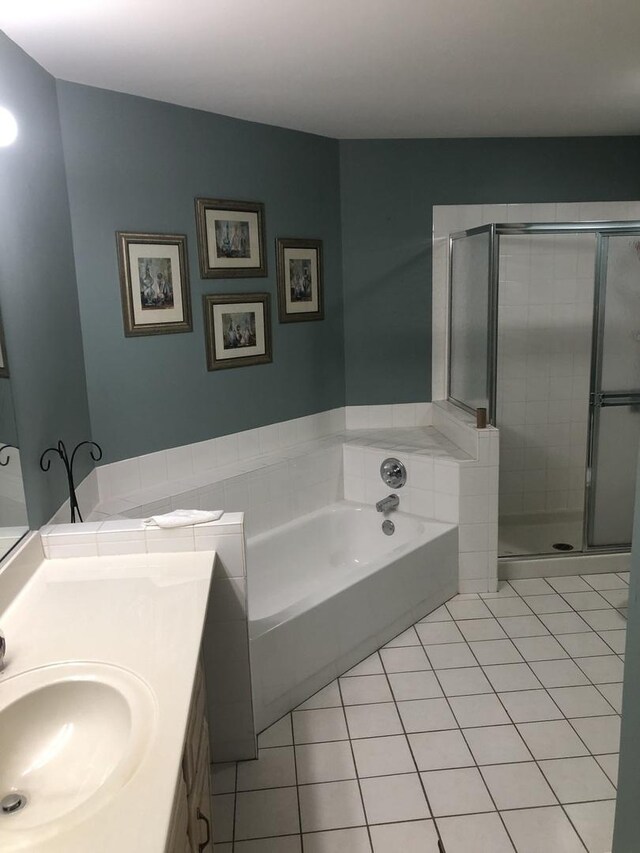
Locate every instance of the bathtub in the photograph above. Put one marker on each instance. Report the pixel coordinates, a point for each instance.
(329, 588)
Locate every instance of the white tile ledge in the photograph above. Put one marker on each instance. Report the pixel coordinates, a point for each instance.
(126, 536)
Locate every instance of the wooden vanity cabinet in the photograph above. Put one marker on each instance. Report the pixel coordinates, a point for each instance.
(191, 824)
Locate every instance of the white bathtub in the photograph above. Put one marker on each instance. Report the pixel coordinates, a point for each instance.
(329, 588)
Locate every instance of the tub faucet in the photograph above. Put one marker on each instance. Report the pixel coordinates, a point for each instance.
(387, 504)
(3, 649)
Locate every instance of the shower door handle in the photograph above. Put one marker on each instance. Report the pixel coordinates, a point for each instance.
(603, 399)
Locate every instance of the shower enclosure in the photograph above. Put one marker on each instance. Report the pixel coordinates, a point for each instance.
(544, 332)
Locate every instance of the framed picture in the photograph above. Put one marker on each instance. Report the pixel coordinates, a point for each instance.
(230, 238)
(300, 295)
(237, 329)
(154, 283)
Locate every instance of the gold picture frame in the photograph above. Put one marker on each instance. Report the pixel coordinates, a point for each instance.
(231, 240)
(300, 280)
(154, 283)
(237, 329)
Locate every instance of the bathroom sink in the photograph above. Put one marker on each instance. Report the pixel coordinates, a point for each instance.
(71, 737)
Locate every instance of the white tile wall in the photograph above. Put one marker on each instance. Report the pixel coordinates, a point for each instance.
(448, 466)
(463, 492)
(196, 461)
(88, 539)
(397, 415)
(269, 496)
(272, 473)
(544, 361)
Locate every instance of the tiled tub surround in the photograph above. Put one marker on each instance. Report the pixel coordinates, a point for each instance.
(458, 490)
(302, 474)
(327, 589)
(494, 723)
(153, 480)
(225, 643)
(381, 583)
(291, 492)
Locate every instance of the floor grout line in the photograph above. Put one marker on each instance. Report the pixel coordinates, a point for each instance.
(353, 756)
(235, 806)
(413, 758)
(295, 770)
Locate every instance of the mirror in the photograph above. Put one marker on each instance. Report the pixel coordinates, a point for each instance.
(13, 508)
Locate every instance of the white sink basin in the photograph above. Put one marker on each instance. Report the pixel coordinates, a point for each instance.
(71, 736)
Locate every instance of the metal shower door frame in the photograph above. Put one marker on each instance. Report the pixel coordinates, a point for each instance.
(602, 230)
(492, 317)
(597, 398)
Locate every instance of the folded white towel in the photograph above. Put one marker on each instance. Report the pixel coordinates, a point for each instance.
(183, 518)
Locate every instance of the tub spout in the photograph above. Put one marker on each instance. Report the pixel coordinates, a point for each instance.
(387, 504)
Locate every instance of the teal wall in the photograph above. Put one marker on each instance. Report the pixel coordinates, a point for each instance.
(38, 295)
(627, 825)
(8, 430)
(129, 163)
(388, 188)
(136, 165)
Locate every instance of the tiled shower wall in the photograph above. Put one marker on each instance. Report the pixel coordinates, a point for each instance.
(544, 358)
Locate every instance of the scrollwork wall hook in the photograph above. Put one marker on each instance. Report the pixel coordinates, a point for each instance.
(45, 463)
(5, 462)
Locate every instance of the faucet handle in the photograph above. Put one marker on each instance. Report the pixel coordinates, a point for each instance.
(393, 473)
(3, 649)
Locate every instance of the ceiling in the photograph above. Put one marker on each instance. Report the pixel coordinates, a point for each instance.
(356, 68)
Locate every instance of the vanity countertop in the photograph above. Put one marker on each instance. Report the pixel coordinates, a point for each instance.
(144, 613)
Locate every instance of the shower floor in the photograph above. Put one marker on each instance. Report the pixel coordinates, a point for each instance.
(537, 534)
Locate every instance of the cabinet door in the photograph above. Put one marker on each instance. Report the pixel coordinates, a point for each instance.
(200, 822)
(194, 732)
(178, 836)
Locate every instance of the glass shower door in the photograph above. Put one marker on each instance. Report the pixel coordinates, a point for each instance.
(472, 319)
(615, 393)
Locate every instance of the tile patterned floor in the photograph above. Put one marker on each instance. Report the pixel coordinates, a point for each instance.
(492, 724)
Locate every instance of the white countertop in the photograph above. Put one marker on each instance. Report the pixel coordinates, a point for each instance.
(142, 612)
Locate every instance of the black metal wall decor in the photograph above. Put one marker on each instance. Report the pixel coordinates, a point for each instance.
(61, 450)
(6, 461)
